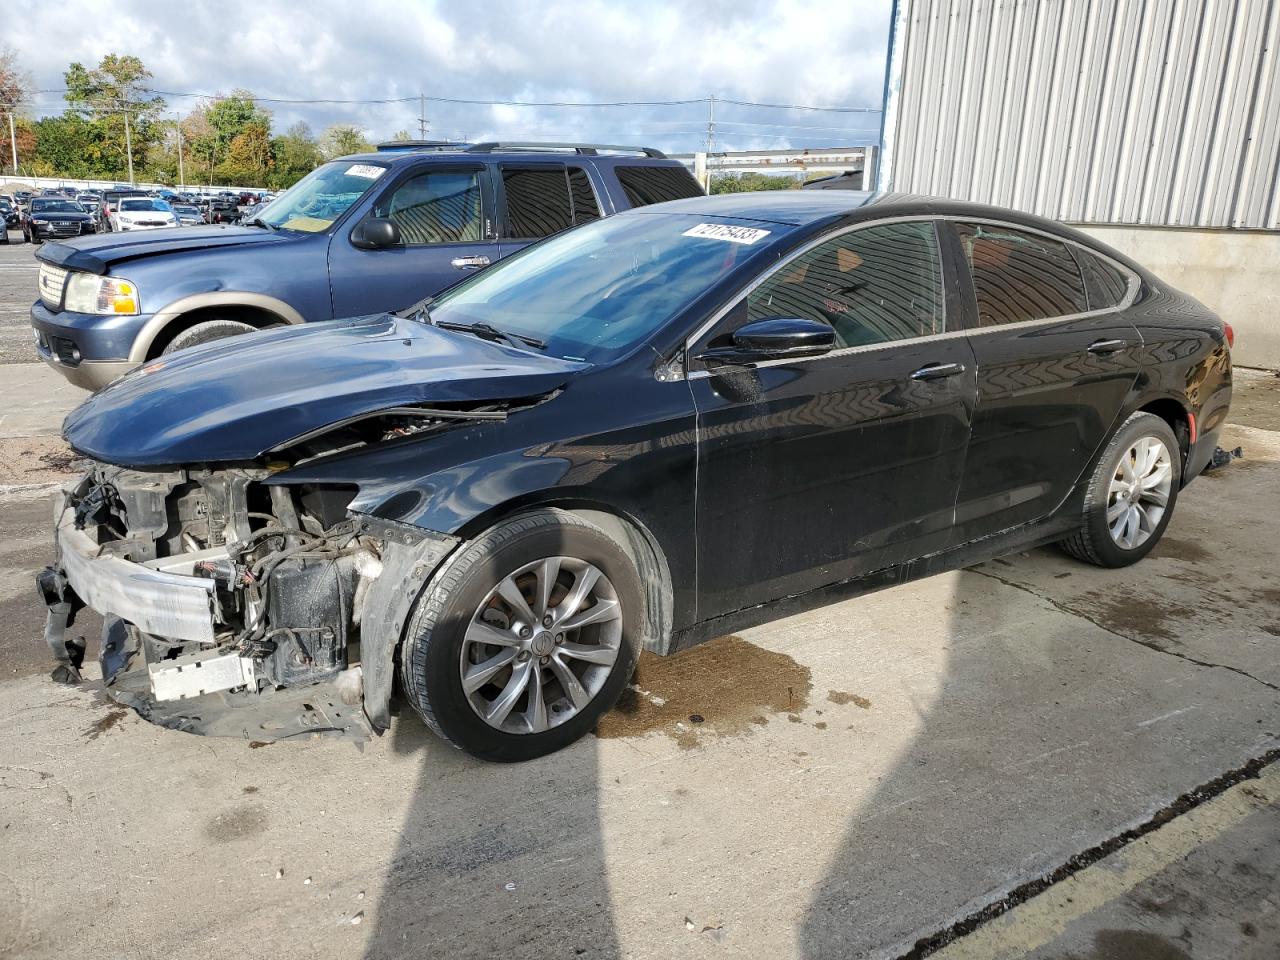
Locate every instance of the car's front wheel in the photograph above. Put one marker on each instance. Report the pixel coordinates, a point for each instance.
(1131, 494)
(525, 638)
(206, 332)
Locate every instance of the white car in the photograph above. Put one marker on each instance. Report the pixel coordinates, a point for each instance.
(142, 213)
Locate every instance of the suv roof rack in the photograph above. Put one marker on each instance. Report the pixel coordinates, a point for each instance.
(392, 146)
(582, 149)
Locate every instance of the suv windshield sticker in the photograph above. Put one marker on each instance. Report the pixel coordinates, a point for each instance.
(723, 231)
(366, 170)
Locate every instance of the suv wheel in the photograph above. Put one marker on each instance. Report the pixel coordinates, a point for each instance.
(525, 638)
(1131, 494)
(206, 332)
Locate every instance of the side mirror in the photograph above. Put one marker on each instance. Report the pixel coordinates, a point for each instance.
(375, 233)
(772, 339)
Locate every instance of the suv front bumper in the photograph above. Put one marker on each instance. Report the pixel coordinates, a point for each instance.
(90, 350)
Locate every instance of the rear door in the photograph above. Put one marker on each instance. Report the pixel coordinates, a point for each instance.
(1053, 373)
(817, 470)
(537, 200)
(444, 214)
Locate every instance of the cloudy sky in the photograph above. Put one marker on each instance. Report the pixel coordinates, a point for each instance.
(819, 53)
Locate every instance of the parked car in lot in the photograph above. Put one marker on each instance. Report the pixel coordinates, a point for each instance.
(142, 213)
(188, 214)
(56, 217)
(651, 430)
(111, 202)
(358, 235)
(220, 210)
(9, 214)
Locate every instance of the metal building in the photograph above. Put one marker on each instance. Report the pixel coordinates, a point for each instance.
(1154, 124)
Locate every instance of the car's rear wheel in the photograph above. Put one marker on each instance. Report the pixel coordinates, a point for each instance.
(1131, 495)
(525, 638)
(206, 332)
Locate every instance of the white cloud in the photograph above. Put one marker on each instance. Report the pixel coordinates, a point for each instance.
(816, 52)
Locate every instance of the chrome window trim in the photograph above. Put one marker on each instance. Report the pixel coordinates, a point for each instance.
(1130, 295)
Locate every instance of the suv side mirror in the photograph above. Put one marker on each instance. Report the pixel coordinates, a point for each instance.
(376, 233)
(772, 339)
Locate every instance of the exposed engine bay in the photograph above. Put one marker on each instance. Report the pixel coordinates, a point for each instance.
(222, 591)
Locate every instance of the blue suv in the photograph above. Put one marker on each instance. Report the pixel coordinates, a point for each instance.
(364, 234)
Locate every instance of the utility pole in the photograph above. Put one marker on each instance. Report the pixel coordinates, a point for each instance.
(422, 116)
(182, 179)
(128, 144)
(711, 122)
(13, 142)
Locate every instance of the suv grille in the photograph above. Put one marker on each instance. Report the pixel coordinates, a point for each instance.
(51, 282)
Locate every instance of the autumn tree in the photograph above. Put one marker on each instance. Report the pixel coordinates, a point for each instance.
(114, 97)
(15, 90)
(342, 139)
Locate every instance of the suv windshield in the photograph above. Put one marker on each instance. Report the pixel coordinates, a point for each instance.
(596, 291)
(142, 203)
(55, 206)
(321, 197)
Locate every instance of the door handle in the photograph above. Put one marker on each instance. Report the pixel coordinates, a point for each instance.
(1107, 346)
(470, 263)
(936, 371)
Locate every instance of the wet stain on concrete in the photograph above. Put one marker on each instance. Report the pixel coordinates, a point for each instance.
(1134, 945)
(249, 789)
(839, 696)
(1135, 616)
(105, 723)
(239, 823)
(732, 684)
(1184, 550)
(259, 744)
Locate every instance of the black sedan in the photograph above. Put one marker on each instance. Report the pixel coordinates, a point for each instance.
(639, 434)
(55, 218)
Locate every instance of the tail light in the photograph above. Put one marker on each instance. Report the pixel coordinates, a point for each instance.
(1231, 334)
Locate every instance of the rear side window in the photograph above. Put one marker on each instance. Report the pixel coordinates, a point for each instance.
(872, 285)
(646, 185)
(1020, 276)
(584, 198)
(538, 203)
(1106, 284)
(438, 207)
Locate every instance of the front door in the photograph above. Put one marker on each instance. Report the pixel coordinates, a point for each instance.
(1054, 367)
(814, 471)
(443, 213)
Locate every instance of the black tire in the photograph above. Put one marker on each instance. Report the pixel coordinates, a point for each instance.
(206, 332)
(1093, 542)
(432, 650)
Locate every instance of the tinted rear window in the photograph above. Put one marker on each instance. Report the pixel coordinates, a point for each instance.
(1020, 276)
(1106, 284)
(646, 185)
(537, 201)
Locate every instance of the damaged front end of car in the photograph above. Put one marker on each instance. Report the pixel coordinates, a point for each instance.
(232, 606)
(239, 597)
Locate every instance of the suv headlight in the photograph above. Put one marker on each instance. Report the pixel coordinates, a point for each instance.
(90, 293)
(37, 220)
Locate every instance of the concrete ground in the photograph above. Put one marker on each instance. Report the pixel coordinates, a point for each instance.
(849, 782)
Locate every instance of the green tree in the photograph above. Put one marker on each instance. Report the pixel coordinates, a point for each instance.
(249, 158)
(295, 154)
(15, 90)
(401, 136)
(109, 96)
(71, 146)
(342, 139)
(750, 181)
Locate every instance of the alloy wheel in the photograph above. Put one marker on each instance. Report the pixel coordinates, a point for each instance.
(1139, 492)
(541, 645)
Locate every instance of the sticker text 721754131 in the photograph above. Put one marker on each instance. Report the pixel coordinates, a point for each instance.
(726, 231)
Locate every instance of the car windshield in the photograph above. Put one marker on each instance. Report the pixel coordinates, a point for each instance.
(145, 204)
(55, 206)
(595, 292)
(322, 196)
(185, 210)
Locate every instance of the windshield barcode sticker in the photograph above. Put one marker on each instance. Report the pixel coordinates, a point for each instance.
(366, 170)
(723, 231)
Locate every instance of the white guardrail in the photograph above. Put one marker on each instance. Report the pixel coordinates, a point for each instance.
(860, 160)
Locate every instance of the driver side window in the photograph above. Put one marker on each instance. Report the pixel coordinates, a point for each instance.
(873, 285)
(438, 207)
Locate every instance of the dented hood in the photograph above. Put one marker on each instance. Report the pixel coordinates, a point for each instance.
(238, 398)
(98, 252)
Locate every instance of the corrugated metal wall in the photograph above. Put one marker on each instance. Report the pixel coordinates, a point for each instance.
(1092, 111)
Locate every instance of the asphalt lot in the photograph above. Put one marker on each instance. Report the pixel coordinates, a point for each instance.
(863, 777)
(17, 290)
